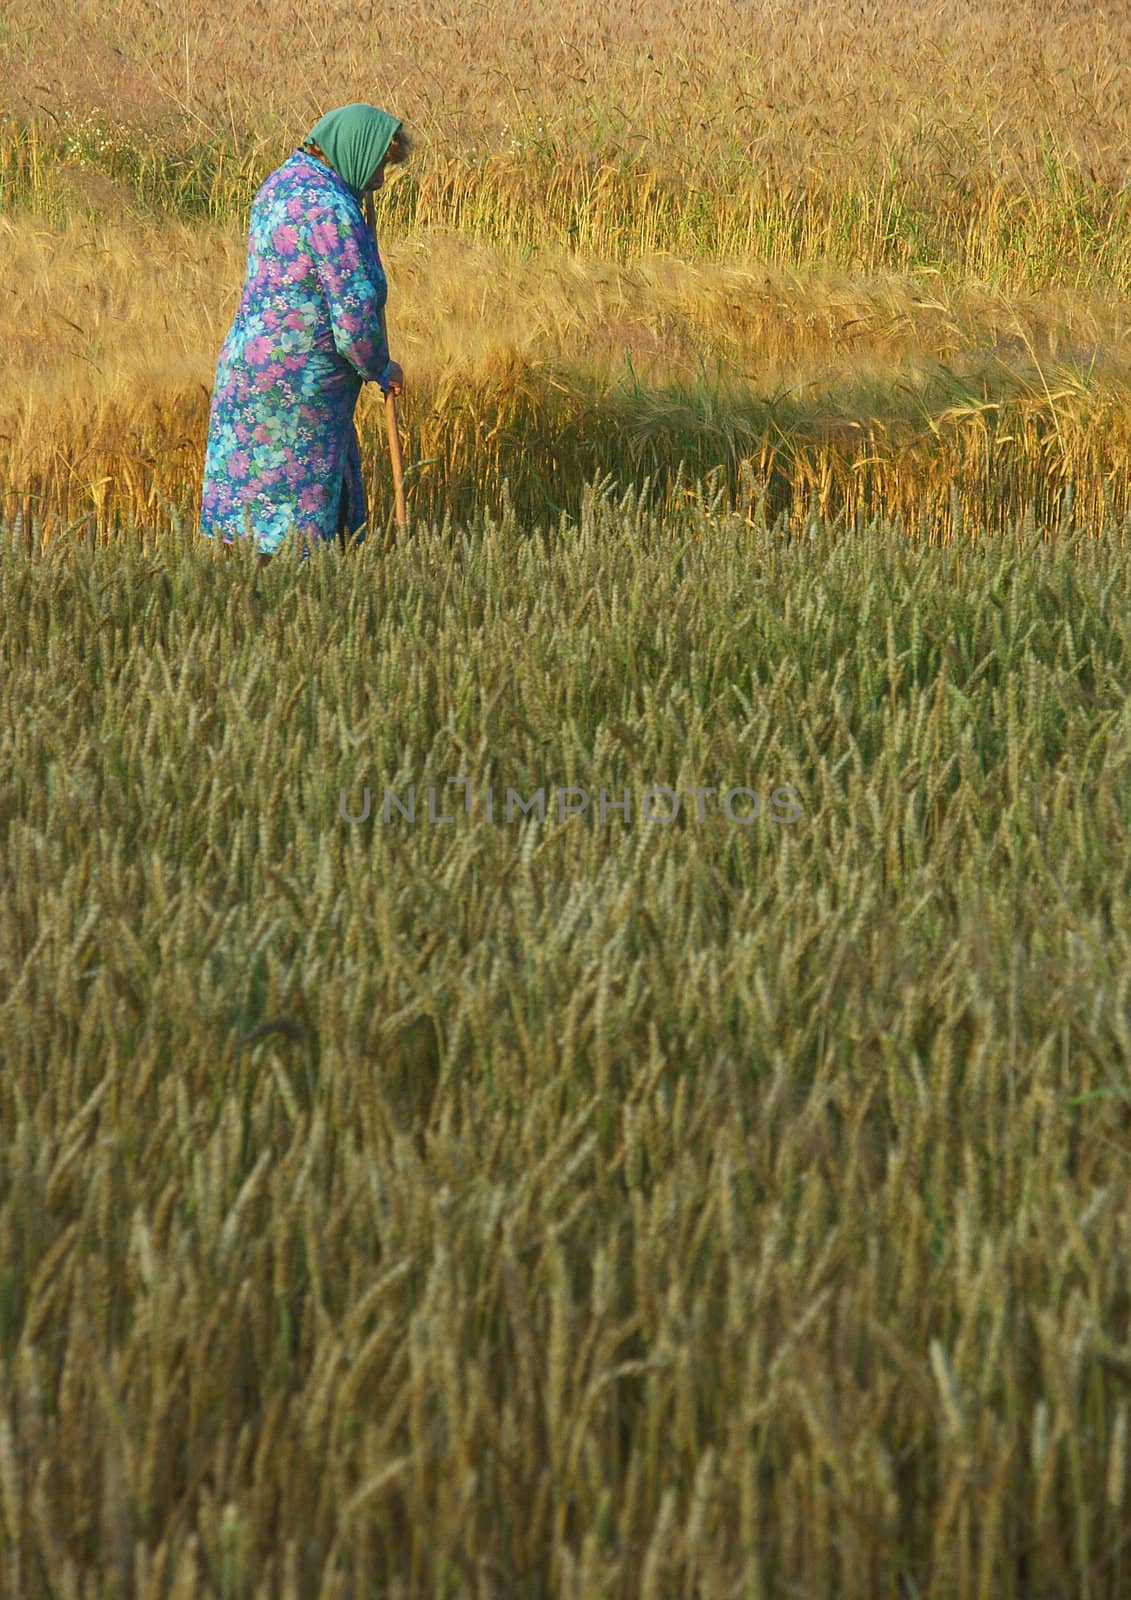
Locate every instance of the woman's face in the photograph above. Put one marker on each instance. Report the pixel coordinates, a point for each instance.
(393, 154)
(377, 181)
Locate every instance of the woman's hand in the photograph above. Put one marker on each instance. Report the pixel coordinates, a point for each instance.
(396, 379)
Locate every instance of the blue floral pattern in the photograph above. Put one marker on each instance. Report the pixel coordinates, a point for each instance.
(282, 454)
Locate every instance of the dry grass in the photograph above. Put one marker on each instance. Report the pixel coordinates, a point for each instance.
(970, 88)
(988, 137)
(898, 393)
(887, 289)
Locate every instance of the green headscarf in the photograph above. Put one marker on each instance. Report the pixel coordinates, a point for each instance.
(354, 141)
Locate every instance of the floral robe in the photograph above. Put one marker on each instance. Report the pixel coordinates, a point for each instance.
(282, 452)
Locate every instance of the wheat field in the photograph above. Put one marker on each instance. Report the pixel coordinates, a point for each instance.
(582, 1051)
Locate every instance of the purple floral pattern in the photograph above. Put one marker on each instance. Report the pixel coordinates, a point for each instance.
(282, 446)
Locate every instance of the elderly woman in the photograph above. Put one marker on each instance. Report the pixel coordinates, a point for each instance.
(282, 452)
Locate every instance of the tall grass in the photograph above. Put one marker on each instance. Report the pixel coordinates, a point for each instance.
(1065, 225)
(898, 395)
(613, 1208)
(985, 138)
(523, 1205)
(925, 156)
(963, 92)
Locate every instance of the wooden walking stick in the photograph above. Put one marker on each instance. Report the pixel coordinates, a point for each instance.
(390, 402)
